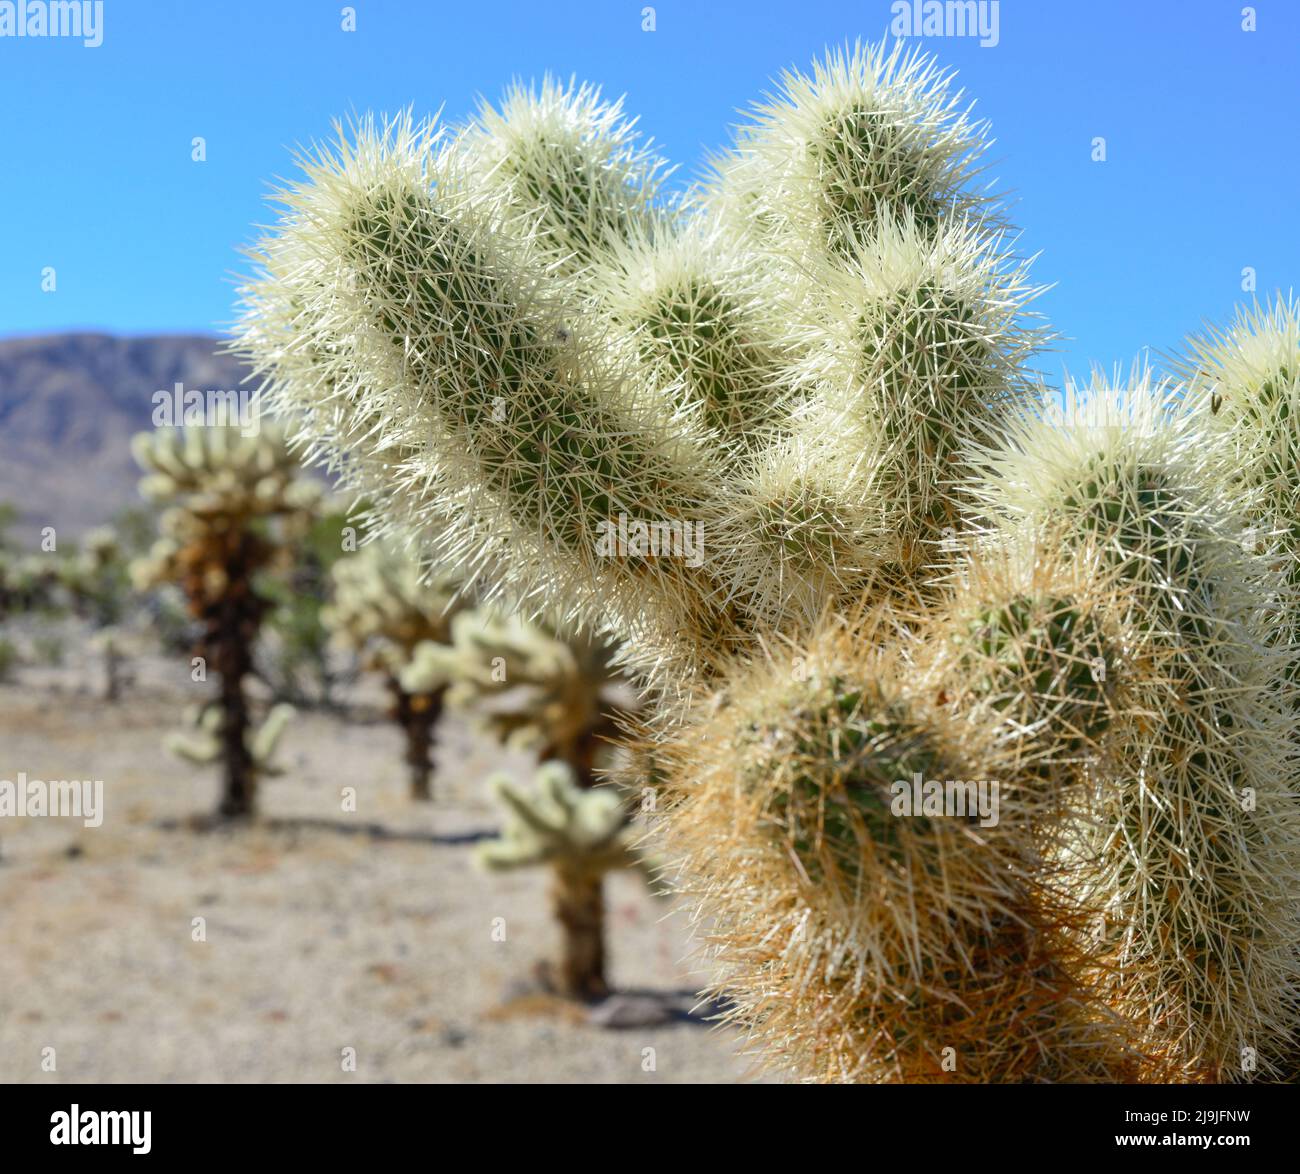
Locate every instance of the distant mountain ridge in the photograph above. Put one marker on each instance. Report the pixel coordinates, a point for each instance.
(69, 404)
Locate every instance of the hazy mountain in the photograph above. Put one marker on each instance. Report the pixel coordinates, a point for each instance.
(69, 404)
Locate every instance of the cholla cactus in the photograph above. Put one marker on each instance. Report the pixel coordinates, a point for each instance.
(1246, 379)
(27, 582)
(96, 575)
(909, 564)
(384, 609)
(1033, 633)
(552, 440)
(111, 644)
(555, 697)
(871, 135)
(582, 834)
(97, 578)
(232, 502)
(696, 321)
(913, 354)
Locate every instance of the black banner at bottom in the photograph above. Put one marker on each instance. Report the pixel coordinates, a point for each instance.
(333, 1123)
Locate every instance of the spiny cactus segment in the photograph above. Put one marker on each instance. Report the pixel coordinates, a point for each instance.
(570, 163)
(1034, 632)
(27, 582)
(534, 690)
(1245, 385)
(450, 320)
(1192, 842)
(870, 135)
(869, 865)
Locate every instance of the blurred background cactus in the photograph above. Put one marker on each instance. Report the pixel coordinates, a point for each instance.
(558, 698)
(28, 582)
(296, 662)
(581, 834)
(98, 580)
(384, 609)
(30, 585)
(234, 506)
(779, 443)
(97, 576)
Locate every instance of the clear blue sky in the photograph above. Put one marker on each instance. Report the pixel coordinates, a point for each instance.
(1200, 118)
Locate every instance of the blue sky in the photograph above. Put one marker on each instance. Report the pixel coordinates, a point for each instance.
(1202, 177)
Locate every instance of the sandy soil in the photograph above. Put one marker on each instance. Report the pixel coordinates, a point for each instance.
(325, 930)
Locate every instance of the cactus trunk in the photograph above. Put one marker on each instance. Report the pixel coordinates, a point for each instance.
(417, 714)
(578, 902)
(580, 753)
(112, 674)
(239, 794)
(232, 631)
(582, 833)
(385, 609)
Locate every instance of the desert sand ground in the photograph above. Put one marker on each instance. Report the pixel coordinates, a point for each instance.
(325, 930)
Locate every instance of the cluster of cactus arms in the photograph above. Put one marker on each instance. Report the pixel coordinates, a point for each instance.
(233, 504)
(779, 438)
(582, 834)
(533, 689)
(201, 741)
(385, 609)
